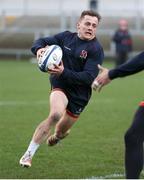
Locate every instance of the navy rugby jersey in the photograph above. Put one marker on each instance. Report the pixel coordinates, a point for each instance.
(130, 67)
(80, 59)
(123, 41)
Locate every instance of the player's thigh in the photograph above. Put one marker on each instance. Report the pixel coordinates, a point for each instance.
(137, 127)
(58, 101)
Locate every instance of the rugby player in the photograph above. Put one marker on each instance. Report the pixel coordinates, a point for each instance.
(71, 80)
(134, 137)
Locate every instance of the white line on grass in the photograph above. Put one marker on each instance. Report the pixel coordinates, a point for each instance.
(112, 176)
(115, 175)
(31, 103)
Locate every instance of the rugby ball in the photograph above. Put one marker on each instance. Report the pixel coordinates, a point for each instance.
(52, 56)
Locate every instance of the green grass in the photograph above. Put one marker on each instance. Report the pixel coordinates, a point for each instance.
(95, 146)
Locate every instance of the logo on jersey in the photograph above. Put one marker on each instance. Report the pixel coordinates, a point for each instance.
(79, 111)
(67, 48)
(83, 54)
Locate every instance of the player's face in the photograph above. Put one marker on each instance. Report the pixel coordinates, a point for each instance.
(123, 25)
(87, 27)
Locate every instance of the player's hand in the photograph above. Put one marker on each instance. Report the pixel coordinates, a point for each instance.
(57, 70)
(102, 79)
(40, 52)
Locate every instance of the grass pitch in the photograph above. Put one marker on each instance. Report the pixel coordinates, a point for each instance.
(95, 147)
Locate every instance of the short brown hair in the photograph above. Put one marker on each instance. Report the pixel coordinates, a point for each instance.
(90, 13)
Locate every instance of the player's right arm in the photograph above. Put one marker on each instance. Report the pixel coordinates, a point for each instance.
(39, 45)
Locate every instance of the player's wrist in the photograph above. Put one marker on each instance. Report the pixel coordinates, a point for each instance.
(112, 74)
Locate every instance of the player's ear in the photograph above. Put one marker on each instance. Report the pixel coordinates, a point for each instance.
(78, 25)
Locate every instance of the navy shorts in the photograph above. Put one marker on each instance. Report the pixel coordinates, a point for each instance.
(73, 109)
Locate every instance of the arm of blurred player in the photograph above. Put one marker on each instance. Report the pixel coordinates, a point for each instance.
(132, 66)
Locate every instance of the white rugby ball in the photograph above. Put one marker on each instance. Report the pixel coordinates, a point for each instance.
(52, 56)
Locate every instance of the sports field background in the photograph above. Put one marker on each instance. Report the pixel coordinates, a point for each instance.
(95, 147)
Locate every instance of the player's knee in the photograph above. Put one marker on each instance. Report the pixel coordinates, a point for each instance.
(55, 116)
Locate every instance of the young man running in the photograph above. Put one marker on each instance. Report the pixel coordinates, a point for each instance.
(71, 81)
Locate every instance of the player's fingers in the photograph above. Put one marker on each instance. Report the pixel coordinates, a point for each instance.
(95, 85)
(56, 66)
(38, 56)
(94, 88)
(61, 63)
(53, 70)
(100, 88)
(100, 67)
(40, 53)
(49, 71)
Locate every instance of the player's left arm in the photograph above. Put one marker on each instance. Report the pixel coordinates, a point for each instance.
(133, 66)
(89, 72)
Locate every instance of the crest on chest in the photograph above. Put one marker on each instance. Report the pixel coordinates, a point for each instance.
(83, 54)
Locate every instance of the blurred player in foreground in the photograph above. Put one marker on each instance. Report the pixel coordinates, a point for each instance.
(134, 137)
(71, 80)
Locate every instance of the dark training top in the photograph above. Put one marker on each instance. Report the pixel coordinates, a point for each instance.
(130, 67)
(123, 41)
(80, 59)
